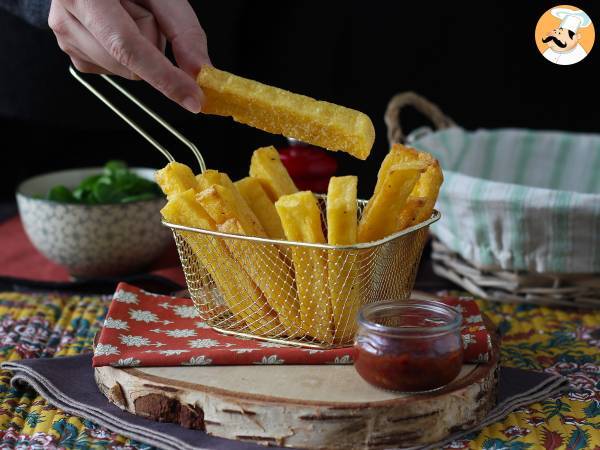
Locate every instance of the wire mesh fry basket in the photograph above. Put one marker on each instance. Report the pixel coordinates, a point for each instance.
(286, 292)
(309, 294)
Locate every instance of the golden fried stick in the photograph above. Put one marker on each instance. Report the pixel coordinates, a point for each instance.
(411, 210)
(397, 154)
(266, 166)
(225, 202)
(281, 112)
(209, 177)
(275, 279)
(428, 185)
(263, 262)
(301, 219)
(342, 264)
(263, 207)
(242, 296)
(175, 178)
(382, 214)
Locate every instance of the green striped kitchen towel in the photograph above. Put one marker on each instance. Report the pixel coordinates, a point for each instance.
(519, 200)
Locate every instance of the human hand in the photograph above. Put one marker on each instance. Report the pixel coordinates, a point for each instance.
(128, 38)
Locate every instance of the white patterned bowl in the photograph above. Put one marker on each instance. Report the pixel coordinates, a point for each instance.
(92, 240)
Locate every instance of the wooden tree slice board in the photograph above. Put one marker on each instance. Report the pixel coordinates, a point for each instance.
(313, 407)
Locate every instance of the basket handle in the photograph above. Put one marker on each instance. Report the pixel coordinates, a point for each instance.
(428, 109)
(162, 122)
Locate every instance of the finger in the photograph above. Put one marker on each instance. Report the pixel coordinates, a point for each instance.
(162, 42)
(77, 42)
(90, 47)
(116, 31)
(179, 23)
(88, 67)
(145, 22)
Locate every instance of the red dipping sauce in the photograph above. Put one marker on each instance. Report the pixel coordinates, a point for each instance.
(310, 167)
(410, 346)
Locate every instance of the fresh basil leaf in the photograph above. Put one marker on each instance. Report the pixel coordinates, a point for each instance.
(115, 168)
(79, 193)
(126, 181)
(89, 182)
(116, 184)
(62, 194)
(105, 191)
(84, 195)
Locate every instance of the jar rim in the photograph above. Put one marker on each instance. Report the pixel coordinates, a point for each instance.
(452, 316)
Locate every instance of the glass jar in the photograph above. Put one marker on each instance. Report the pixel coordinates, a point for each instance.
(410, 346)
(310, 167)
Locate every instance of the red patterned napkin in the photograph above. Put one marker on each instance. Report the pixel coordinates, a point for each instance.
(145, 329)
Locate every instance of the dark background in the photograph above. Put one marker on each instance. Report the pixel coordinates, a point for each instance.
(477, 60)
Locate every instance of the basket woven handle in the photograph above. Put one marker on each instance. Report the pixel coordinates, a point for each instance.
(421, 104)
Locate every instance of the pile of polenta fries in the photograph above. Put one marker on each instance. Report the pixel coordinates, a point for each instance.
(307, 289)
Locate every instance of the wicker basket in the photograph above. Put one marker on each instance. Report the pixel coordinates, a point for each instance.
(521, 208)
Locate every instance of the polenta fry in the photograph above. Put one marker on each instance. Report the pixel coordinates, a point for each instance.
(266, 166)
(271, 275)
(342, 264)
(224, 203)
(410, 212)
(175, 178)
(428, 187)
(261, 205)
(281, 112)
(301, 220)
(382, 214)
(242, 296)
(209, 177)
(398, 154)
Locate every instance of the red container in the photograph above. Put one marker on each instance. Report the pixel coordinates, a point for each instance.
(310, 167)
(410, 346)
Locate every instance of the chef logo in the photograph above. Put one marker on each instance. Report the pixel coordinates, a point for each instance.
(564, 35)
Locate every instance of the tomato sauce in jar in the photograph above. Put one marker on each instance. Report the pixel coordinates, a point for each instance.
(410, 346)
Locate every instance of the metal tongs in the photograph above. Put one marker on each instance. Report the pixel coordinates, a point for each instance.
(133, 124)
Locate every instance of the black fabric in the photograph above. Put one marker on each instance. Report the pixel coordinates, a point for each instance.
(34, 12)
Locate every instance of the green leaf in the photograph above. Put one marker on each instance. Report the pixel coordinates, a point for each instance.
(89, 182)
(62, 194)
(115, 167)
(126, 181)
(105, 191)
(84, 195)
(116, 184)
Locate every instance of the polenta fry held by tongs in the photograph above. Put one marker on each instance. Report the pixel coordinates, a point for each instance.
(279, 111)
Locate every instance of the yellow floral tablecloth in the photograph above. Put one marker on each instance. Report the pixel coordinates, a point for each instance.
(539, 338)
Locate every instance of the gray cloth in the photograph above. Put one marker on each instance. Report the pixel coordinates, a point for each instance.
(68, 383)
(34, 12)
